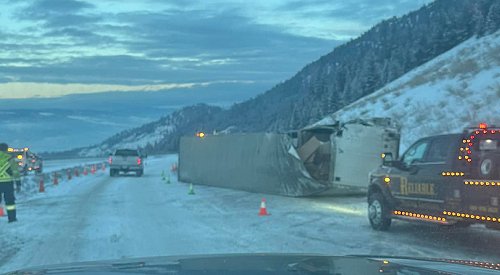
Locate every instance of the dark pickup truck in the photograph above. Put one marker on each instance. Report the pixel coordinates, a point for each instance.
(449, 179)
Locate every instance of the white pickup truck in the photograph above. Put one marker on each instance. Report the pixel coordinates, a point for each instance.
(126, 160)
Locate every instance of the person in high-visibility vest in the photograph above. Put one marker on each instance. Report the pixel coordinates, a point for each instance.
(9, 173)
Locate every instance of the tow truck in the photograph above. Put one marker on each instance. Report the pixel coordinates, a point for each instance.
(451, 179)
(26, 160)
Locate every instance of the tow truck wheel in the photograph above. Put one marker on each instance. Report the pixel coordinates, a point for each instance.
(462, 224)
(378, 212)
(494, 226)
(488, 167)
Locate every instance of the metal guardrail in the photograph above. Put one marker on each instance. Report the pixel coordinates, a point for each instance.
(32, 184)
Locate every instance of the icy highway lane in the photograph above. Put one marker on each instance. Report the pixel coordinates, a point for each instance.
(98, 217)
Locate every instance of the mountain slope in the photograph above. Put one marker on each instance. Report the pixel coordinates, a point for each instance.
(353, 70)
(365, 64)
(457, 89)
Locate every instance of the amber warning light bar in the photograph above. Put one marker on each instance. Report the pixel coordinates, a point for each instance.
(481, 127)
(17, 150)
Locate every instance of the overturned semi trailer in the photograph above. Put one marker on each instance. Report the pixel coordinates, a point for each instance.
(322, 160)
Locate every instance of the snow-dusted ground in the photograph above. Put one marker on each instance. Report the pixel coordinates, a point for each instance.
(98, 217)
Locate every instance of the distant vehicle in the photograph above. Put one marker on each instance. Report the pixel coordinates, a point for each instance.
(126, 160)
(35, 163)
(27, 161)
(449, 179)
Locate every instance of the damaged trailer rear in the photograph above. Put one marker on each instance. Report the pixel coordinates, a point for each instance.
(320, 160)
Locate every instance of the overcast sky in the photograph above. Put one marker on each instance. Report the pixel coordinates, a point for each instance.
(57, 47)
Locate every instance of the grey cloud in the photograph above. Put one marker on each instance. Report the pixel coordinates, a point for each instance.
(4, 79)
(32, 48)
(71, 31)
(254, 48)
(299, 5)
(61, 18)
(256, 52)
(70, 20)
(83, 36)
(44, 7)
(366, 12)
(193, 32)
(131, 70)
(58, 13)
(21, 60)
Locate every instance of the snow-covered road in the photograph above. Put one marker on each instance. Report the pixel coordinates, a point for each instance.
(98, 217)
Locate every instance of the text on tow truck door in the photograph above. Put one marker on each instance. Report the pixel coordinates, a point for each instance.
(417, 183)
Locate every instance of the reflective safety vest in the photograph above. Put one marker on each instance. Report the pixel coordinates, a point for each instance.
(8, 168)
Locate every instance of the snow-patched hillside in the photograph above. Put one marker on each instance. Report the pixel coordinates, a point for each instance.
(133, 141)
(458, 88)
(156, 136)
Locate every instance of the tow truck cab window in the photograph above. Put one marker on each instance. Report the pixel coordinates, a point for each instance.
(415, 153)
(438, 150)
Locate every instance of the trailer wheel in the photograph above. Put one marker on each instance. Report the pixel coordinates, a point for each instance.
(378, 212)
(488, 167)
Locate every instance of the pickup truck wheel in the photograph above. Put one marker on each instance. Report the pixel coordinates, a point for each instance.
(112, 172)
(378, 212)
(488, 167)
(139, 173)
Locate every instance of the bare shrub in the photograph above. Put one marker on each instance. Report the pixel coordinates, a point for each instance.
(464, 67)
(456, 91)
(418, 80)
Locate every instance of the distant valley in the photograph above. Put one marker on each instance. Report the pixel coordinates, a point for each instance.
(58, 124)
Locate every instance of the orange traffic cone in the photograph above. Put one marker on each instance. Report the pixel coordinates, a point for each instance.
(92, 170)
(263, 209)
(2, 213)
(85, 171)
(56, 180)
(69, 174)
(42, 186)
